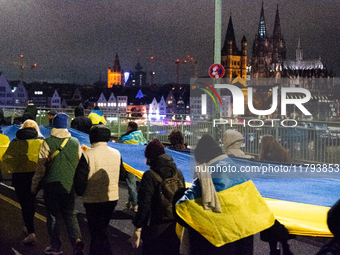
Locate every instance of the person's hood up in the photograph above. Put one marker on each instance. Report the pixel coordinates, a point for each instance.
(207, 149)
(79, 111)
(164, 166)
(232, 139)
(26, 133)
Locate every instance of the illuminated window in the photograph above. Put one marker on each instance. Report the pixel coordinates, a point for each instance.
(114, 104)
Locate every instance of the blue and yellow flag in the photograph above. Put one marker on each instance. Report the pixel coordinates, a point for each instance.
(244, 211)
(135, 137)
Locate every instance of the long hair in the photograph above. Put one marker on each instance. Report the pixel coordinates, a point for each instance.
(177, 140)
(272, 150)
(31, 123)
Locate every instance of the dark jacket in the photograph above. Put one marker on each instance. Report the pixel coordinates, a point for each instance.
(148, 197)
(80, 122)
(30, 113)
(4, 121)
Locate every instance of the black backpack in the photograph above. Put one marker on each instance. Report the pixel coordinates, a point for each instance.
(166, 191)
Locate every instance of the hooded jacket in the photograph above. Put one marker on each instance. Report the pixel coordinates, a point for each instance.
(80, 122)
(148, 201)
(63, 166)
(232, 141)
(22, 153)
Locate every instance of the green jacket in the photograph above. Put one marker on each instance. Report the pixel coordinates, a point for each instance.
(63, 166)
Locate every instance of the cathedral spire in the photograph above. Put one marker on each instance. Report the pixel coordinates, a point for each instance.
(230, 37)
(116, 65)
(299, 52)
(277, 26)
(262, 24)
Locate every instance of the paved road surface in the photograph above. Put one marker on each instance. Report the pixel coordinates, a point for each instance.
(120, 229)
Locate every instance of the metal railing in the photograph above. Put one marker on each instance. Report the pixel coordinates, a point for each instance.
(308, 142)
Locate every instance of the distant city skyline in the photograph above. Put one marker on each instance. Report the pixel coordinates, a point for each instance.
(76, 41)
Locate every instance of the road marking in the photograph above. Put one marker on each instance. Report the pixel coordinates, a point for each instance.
(16, 252)
(8, 200)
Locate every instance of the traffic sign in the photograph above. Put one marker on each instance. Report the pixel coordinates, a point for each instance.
(216, 71)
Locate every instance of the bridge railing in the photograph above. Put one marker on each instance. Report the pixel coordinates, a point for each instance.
(308, 142)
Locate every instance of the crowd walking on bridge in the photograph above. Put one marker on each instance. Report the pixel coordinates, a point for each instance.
(171, 217)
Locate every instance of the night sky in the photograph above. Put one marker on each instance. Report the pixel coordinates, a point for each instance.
(76, 41)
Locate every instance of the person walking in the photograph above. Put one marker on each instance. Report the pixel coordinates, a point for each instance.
(214, 219)
(96, 180)
(271, 150)
(153, 224)
(132, 136)
(80, 122)
(20, 160)
(58, 159)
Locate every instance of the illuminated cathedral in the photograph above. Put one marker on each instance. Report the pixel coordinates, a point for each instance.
(115, 75)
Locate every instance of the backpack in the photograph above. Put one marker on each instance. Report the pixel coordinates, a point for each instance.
(166, 191)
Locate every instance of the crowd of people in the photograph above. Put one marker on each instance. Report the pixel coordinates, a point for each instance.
(170, 218)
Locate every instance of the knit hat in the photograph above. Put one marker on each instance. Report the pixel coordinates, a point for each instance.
(154, 149)
(60, 120)
(99, 133)
(207, 149)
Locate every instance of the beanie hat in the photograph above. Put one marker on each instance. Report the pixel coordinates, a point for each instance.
(154, 149)
(60, 120)
(99, 133)
(207, 149)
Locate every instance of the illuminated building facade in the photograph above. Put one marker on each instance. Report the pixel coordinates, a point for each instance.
(234, 60)
(115, 75)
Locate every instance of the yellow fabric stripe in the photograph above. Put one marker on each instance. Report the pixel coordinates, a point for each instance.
(244, 213)
(4, 143)
(301, 219)
(130, 169)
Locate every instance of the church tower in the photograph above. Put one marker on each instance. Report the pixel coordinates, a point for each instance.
(268, 52)
(115, 74)
(279, 47)
(233, 60)
(299, 52)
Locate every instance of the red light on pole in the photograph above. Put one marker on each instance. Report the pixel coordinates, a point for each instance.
(151, 57)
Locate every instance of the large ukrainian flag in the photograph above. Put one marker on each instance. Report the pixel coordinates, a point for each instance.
(244, 211)
(301, 204)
